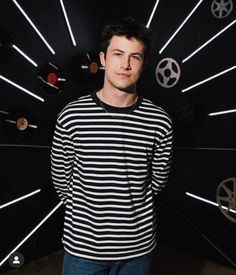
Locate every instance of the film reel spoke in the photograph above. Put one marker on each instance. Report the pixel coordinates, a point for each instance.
(227, 190)
(226, 198)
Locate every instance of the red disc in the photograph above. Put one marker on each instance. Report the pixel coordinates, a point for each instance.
(52, 78)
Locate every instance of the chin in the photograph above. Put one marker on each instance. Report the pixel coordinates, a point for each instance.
(130, 89)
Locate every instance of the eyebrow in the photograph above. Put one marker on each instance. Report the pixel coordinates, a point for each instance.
(135, 53)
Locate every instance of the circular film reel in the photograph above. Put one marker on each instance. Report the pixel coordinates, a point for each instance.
(167, 72)
(184, 112)
(51, 78)
(221, 8)
(226, 198)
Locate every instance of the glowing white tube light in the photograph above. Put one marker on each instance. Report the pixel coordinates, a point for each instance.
(4, 112)
(21, 88)
(20, 198)
(53, 65)
(152, 14)
(208, 201)
(68, 23)
(84, 67)
(31, 233)
(208, 79)
(88, 56)
(24, 55)
(33, 126)
(34, 27)
(47, 83)
(180, 27)
(210, 40)
(222, 112)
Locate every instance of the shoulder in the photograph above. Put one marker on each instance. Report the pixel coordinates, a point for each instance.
(82, 103)
(156, 111)
(78, 103)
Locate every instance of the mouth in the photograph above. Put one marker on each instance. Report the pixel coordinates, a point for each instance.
(123, 75)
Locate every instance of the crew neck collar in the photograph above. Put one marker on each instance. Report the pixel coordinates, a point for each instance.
(115, 109)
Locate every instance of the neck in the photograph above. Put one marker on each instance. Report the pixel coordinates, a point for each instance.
(117, 98)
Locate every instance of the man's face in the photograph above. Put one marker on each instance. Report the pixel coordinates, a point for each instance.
(123, 63)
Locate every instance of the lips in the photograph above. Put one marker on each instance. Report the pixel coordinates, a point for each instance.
(123, 75)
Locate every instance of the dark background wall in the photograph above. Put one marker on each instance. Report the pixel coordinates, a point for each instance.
(204, 155)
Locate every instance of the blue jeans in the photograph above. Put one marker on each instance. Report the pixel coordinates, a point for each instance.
(80, 266)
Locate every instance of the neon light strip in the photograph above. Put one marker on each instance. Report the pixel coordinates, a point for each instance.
(24, 55)
(47, 83)
(33, 126)
(152, 14)
(11, 121)
(53, 65)
(222, 112)
(5, 113)
(21, 88)
(210, 40)
(162, 49)
(207, 201)
(34, 27)
(31, 233)
(68, 23)
(20, 198)
(208, 79)
(88, 56)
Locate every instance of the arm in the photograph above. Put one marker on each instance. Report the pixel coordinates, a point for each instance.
(161, 162)
(62, 157)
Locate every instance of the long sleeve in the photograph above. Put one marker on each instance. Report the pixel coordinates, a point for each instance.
(116, 165)
(62, 158)
(161, 162)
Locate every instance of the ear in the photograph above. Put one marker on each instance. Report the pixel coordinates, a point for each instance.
(102, 58)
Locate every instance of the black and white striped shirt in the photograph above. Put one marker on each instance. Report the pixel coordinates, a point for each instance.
(107, 168)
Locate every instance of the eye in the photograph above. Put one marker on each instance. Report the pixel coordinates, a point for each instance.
(136, 57)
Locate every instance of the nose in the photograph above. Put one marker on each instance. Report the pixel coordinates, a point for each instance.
(125, 63)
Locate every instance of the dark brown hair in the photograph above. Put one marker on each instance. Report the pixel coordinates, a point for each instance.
(129, 28)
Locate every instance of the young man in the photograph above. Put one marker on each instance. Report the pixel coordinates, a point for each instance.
(110, 157)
